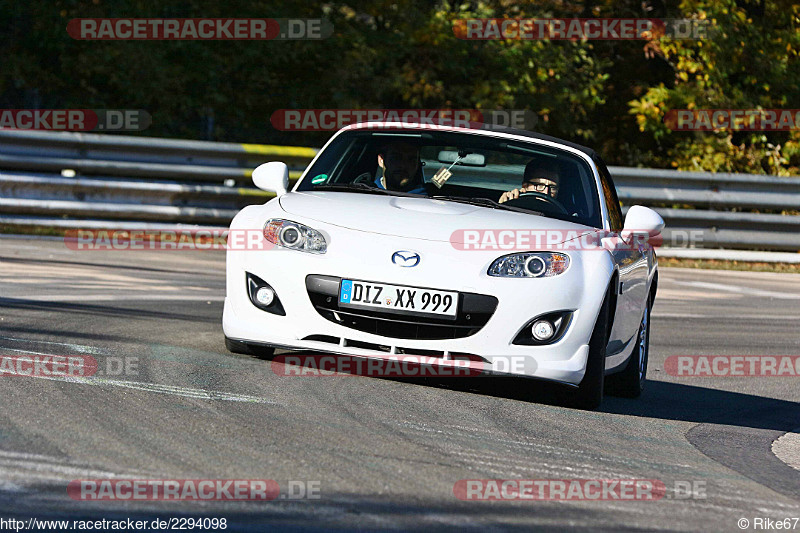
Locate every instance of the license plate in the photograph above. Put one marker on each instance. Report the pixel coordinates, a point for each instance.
(398, 299)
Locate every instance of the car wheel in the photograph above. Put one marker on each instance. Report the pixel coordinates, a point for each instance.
(630, 382)
(590, 391)
(262, 352)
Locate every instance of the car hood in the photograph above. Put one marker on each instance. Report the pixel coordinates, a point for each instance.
(417, 218)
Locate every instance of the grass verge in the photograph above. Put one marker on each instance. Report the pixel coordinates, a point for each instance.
(32, 230)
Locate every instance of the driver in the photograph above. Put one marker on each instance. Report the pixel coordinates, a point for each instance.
(540, 176)
(401, 168)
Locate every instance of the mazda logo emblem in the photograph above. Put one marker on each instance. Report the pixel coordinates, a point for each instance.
(405, 258)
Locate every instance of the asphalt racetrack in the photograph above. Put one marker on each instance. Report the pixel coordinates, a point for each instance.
(169, 402)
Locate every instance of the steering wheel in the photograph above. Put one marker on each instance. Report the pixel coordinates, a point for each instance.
(540, 196)
(364, 177)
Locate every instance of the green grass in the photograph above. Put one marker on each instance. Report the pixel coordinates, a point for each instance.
(32, 230)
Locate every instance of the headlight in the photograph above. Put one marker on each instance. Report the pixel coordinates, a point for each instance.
(296, 236)
(529, 265)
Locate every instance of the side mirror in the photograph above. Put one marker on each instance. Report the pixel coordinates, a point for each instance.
(272, 177)
(642, 220)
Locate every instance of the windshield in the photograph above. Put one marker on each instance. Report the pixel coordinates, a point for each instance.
(460, 167)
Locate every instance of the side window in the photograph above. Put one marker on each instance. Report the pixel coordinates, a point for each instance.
(610, 195)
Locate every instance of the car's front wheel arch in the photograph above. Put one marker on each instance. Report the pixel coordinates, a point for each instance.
(590, 390)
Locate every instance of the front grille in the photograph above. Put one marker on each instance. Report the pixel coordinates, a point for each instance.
(456, 356)
(474, 311)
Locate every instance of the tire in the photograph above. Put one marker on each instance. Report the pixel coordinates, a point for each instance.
(630, 382)
(257, 350)
(589, 395)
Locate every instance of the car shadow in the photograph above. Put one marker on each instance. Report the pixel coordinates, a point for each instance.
(703, 405)
(661, 399)
(333, 511)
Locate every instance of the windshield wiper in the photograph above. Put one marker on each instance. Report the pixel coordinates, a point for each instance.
(484, 202)
(361, 187)
(355, 187)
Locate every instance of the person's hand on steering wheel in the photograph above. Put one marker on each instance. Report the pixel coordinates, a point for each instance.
(364, 177)
(524, 196)
(538, 189)
(511, 195)
(545, 186)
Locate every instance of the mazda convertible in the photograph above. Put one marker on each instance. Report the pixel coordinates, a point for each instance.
(504, 248)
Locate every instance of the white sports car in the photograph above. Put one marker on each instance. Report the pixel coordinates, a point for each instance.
(496, 246)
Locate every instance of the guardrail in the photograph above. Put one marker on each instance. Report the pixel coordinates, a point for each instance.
(89, 180)
(724, 208)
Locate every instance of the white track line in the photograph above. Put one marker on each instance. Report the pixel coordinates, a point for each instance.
(116, 297)
(726, 317)
(742, 290)
(201, 394)
(81, 348)
(787, 449)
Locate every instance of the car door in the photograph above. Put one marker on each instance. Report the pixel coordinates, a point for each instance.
(631, 258)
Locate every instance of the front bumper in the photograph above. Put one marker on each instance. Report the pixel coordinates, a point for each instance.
(579, 290)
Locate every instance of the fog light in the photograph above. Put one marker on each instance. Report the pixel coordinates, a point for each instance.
(542, 330)
(265, 296)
